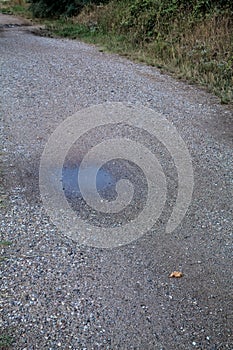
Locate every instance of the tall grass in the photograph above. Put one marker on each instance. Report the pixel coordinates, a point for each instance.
(16, 7)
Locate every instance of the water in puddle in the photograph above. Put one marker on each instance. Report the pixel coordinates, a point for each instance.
(105, 182)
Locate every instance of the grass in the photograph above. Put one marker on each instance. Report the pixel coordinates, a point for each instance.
(6, 341)
(15, 7)
(5, 243)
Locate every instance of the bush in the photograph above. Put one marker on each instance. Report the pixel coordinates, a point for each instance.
(166, 8)
(49, 8)
(146, 15)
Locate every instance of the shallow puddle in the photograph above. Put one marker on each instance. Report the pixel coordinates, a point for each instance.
(105, 182)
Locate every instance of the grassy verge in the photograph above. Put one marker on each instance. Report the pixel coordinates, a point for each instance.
(15, 7)
(190, 45)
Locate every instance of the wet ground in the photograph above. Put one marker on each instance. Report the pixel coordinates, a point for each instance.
(56, 294)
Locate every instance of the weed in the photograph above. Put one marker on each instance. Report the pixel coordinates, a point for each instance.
(15, 7)
(5, 243)
(5, 341)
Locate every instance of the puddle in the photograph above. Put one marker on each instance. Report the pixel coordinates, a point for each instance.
(105, 182)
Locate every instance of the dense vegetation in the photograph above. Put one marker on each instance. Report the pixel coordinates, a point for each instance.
(191, 39)
(42, 8)
(49, 8)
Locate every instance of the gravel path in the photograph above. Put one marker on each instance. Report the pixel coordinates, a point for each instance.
(58, 295)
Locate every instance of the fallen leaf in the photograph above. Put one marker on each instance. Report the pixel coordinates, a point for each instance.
(176, 274)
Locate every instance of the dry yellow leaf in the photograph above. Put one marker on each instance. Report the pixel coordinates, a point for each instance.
(176, 274)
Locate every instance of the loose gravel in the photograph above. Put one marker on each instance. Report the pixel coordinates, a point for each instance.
(58, 295)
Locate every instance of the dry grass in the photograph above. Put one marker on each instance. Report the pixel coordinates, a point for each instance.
(203, 53)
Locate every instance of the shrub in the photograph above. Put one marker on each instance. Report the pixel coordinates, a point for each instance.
(49, 8)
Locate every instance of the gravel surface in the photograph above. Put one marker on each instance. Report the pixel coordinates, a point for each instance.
(58, 295)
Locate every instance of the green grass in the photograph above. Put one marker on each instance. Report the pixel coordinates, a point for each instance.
(66, 29)
(17, 10)
(14, 7)
(5, 243)
(6, 341)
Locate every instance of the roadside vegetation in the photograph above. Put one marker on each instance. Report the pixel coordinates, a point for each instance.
(193, 40)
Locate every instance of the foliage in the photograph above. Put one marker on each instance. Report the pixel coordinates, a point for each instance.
(152, 18)
(49, 8)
